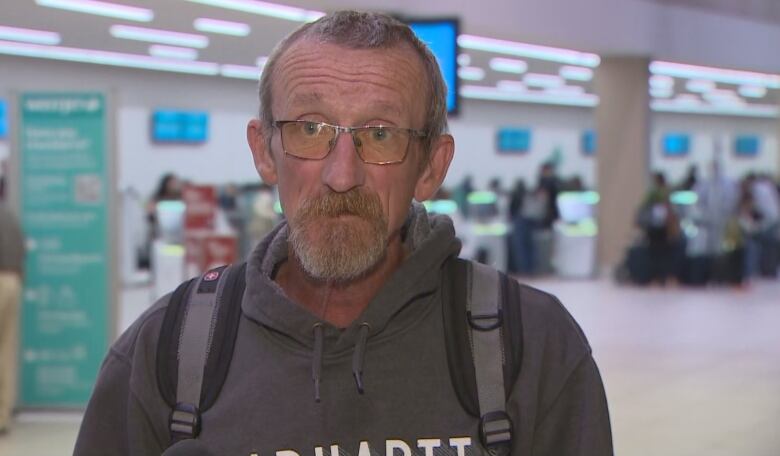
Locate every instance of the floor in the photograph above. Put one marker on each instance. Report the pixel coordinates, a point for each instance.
(688, 372)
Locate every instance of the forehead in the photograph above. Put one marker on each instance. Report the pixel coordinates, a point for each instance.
(313, 75)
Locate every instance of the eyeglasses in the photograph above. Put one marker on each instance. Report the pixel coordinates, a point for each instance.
(375, 145)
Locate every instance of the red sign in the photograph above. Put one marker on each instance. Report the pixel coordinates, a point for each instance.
(207, 251)
(201, 212)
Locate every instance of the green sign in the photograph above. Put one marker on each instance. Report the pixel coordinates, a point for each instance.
(65, 195)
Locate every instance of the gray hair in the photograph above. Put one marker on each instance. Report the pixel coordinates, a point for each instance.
(364, 30)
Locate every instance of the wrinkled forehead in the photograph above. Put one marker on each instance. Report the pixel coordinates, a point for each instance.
(314, 73)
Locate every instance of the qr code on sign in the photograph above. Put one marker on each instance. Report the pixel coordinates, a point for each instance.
(88, 189)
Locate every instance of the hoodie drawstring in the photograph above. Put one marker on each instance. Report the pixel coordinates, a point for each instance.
(316, 362)
(359, 356)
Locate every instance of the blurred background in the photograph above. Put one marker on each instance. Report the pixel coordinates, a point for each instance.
(622, 154)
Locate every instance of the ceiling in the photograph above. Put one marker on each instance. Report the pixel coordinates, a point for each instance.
(490, 69)
(757, 10)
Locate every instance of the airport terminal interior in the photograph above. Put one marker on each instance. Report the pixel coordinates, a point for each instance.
(623, 155)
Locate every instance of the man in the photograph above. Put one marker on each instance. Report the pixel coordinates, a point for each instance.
(11, 272)
(340, 349)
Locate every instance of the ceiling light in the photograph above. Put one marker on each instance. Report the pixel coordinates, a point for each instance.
(171, 52)
(543, 80)
(130, 13)
(260, 62)
(29, 35)
(552, 54)
(700, 85)
(752, 91)
(240, 71)
(748, 110)
(680, 70)
(493, 93)
(289, 13)
(508, 65)
(687, 99)
(658, 81)
(723, 96)
(471, 73)
(511, 85)
(661, 92)
(464, 59)
(566, 90)
(159, 36)
(107, 58)
(224, 27)
(576, 73)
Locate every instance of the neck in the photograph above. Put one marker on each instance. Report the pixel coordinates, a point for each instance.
(339, 303)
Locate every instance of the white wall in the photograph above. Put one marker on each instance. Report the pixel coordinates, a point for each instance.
(226, 158)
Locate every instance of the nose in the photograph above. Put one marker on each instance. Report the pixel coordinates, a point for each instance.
(343, 170)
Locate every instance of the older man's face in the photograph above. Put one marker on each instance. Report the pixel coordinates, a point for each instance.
(342, 211)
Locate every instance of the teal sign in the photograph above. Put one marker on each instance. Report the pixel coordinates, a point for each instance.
(65, 197)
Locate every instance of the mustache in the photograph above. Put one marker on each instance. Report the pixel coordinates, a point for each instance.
(354, 202)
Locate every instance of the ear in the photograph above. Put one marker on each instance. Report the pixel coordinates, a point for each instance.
(433, 172)
(261, 152)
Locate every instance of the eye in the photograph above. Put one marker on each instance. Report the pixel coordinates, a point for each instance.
(380, 134)
(310, 128)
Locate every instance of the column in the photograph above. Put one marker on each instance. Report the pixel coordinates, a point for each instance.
(623, 156)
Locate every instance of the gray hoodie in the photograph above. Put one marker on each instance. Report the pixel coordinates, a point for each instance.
(267, 406)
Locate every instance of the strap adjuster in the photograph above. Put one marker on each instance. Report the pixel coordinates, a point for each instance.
(184, 421)
(495, 430)
(485, 322)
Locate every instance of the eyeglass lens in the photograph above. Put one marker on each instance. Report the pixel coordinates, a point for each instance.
(313, 140)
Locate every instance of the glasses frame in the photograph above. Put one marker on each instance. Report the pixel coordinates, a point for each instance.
(279, 124)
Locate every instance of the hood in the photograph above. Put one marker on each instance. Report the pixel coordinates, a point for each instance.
(430, 240)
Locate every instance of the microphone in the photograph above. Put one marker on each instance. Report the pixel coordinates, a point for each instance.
(189, 447)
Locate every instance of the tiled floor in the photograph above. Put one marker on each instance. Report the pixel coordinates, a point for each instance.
(688, 372)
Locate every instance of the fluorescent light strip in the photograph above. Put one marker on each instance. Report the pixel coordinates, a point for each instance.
(511, 86)
(130, 13)
(700, 85)
(551, 54)
(240, 71)
(752, 91)
(659, 82)
(566, 90)
(492, 93)
(750, 110)
(107, 58)
(289, 13)
(576, 73)
(171, 52)
(464, 59)
(159, 36)
(260, 62)
(661, 92)
(543, 80)
(29, 35)
(471, 73)
(223, 27)
(680, 70)
(508, 65)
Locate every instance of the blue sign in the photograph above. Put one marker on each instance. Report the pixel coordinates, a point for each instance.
(746, 145)
(589, 142)
(3, 119)
(170, 126)
(676, 144)
(441, 36)
(513, 140)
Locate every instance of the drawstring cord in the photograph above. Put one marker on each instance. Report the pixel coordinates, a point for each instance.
(359, 356)
(316, 362)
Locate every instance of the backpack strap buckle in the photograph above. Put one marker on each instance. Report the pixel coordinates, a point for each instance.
(184, 422)
(495, 430)
(485, 322)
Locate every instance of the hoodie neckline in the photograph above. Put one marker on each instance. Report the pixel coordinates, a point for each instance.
(431, 240)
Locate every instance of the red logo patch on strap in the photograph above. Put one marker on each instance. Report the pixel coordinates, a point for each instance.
(211, 276)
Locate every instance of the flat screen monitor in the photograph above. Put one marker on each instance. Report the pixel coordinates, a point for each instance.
(746, 145)
(676, 144)
(171, 126)
(589, 142)
(441, 36)
(3, 119)
(513, 140)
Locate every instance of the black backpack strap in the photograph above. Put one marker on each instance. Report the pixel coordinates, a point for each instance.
(196, 345)
(483, 334)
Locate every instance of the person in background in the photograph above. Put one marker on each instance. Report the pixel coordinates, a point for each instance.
(716, 205)
(661, 227)
(550, 185)
(689, 183)
(767, 205)
(169, 188)
(521, 241)
(11, 275)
